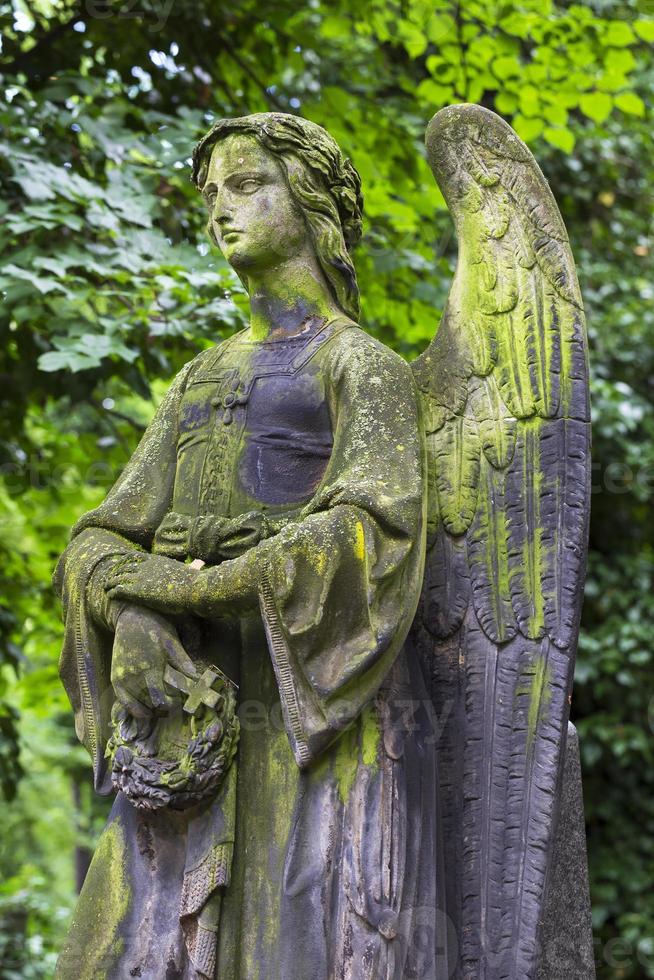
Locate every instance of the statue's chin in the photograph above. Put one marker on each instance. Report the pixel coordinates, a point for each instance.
(249, 256)
(238, 254)
(246, 261)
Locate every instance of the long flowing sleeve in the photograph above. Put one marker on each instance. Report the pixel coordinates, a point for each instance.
(126, 520)
(138, 501)
(340, 585)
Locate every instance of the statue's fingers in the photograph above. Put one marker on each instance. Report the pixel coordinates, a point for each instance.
(117, 578)
(179, 658)
(124, 590)
(172, 519)
(133, 704)
(171, 546)
(160, 701)
(117, 591)
(173, 549)
(126, 566)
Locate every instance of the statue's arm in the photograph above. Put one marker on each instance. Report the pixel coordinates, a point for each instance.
(101, 635)
(136, 504)
(125, 522)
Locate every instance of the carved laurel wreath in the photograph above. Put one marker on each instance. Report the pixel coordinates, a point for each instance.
(177, 761)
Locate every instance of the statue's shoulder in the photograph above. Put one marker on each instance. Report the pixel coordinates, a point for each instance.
(206, 359)
(354, 349)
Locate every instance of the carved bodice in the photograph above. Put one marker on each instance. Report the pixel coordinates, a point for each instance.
(255, 429)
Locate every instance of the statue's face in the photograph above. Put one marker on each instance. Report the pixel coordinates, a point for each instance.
(254, 218)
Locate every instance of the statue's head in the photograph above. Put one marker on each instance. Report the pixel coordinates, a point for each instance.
(276, 184)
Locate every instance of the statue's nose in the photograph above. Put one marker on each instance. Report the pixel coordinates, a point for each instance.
(223, 214)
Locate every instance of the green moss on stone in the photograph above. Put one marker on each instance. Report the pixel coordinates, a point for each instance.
(370, 736)
(346, 761)
(93, 943)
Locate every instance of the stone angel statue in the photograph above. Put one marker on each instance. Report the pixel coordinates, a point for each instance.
(320, 635)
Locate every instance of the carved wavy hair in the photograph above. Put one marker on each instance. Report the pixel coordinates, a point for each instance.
(322, 181)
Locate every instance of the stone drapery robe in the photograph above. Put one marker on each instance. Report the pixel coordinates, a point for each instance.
(317, 859)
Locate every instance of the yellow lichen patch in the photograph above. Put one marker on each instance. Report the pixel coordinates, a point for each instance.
(346, 761)
(359, 744)
(541, 695)
(318, 559)
(359, 541)
(370, 735)
(93, 944)
(537, 686)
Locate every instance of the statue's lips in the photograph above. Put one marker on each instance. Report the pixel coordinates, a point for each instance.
(229, 233)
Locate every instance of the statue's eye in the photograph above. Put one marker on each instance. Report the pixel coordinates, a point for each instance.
(249, 185)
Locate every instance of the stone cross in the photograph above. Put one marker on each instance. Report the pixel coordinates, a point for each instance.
(199, 691)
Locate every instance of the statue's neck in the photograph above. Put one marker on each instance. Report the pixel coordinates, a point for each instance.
(284, 298)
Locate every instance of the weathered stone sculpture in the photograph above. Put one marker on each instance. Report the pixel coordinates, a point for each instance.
(376, 566)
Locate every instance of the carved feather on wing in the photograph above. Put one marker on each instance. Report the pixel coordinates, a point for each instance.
(504, 385)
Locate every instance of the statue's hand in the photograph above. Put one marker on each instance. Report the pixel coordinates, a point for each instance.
(168, 586)
(162, 584)
(144, 643)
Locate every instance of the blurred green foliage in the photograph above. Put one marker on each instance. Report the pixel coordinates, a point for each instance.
(108, 285)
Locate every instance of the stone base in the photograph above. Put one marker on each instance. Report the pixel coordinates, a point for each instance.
(566, 930)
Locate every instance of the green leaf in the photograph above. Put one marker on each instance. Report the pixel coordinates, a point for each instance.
(527, 129)
(556, 114)
(568, 98)
(612, 82)
(439, 27)
(43, 285)
(530, 104)
(631, 103)
(581, 54)
(644, 29)
(441, 70)
(518, 24)
(563, 139)
(506, 67)
(535, 72)
(618, 34)
(67, 360)
(596, 105)
(415, 41)
(620, 60)
(436, 95)
(335, 27)
(506, 103)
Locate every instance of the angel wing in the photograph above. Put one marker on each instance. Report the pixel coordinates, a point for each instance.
(504, 388)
